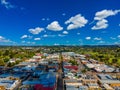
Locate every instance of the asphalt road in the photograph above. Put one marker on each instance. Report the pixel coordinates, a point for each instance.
(60, 82)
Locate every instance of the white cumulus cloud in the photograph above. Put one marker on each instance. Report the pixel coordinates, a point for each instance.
(48, 35)
(105, 13)
(1, 38)
(88, 38)
(78, 33)
(101, 16)
(60, 35)
(56, 44)
(4, 40)
(6, 4)
(96, 38)
(102, 24)
(54, 26)
(45, 19)
(37, 39)
(24, 36)
(75, 22)
(118, 36)
(63, 14)
(45, 35)
(37, 30)
(65, 32)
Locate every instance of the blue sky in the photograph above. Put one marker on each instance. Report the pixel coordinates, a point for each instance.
(59, 22)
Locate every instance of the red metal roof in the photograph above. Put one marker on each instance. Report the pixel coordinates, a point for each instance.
(71, 67)
(40, 87)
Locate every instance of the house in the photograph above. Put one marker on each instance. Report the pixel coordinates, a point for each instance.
(73, 84)
(89, 79)
(93, 86)
(107, 79)
(12, 60)
(107, 87)
(71, 67)
(8, 83)
(45, 81)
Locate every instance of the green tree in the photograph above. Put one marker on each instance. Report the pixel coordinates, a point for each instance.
(11, 64)
(6, 59)
(2, 63)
